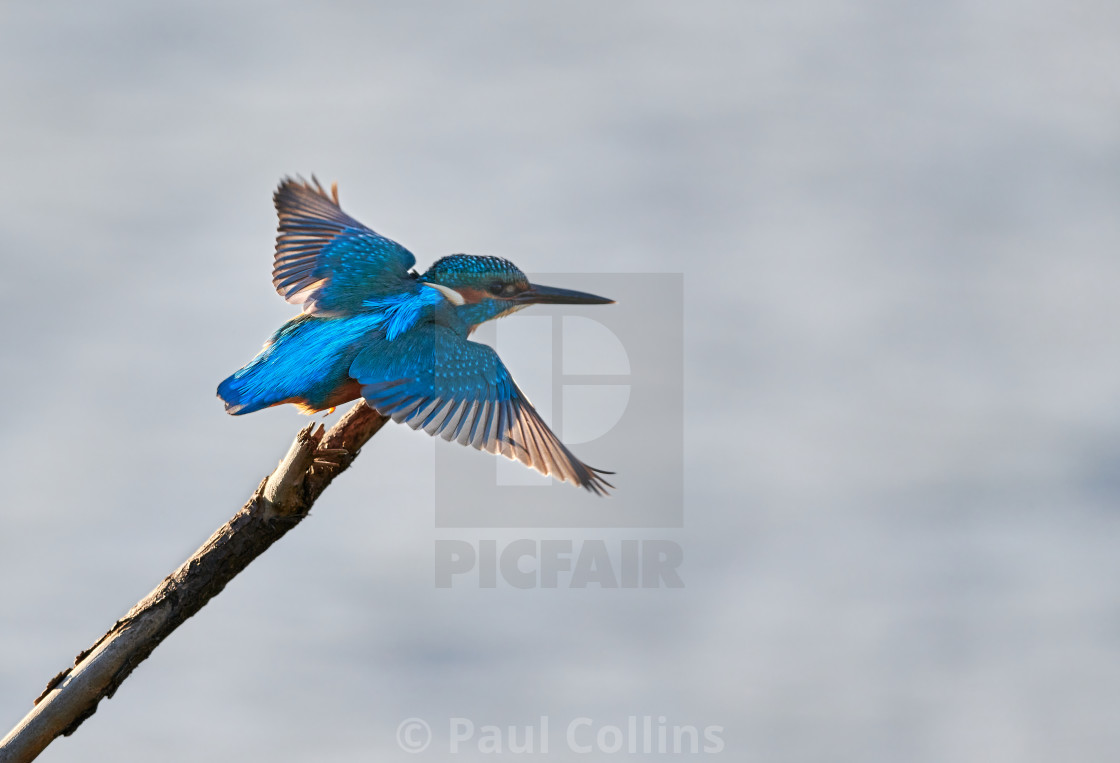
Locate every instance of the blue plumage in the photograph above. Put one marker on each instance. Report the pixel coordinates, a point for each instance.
(370, 327)
(305, 362)
(400, 312)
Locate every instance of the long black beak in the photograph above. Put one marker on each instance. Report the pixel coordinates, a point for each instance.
(549, 295)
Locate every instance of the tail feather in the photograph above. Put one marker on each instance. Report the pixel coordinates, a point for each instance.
(238, 397)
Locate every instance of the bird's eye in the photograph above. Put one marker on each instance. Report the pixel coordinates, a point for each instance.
(496, 288)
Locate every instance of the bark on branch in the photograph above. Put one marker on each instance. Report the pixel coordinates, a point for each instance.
(281, 501)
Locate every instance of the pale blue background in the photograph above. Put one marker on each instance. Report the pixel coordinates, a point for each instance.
(898, 225)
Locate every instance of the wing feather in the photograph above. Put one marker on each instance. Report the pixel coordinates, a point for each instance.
(326, 260)
(472, 400)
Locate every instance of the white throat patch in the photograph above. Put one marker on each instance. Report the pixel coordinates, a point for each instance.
(453, 296)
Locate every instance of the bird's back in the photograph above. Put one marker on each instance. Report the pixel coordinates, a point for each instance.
(305, 362)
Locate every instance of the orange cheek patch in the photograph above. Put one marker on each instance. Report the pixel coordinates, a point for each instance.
(471, 296)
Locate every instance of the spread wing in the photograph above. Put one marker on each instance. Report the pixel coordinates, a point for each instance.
(433, 379)
(326, 260)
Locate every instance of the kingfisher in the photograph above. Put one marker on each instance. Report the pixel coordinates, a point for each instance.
(372, 327)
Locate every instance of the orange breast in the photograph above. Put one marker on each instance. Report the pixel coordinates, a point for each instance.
(350, 390)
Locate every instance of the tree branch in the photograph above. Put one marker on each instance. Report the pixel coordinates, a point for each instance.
(281, 501)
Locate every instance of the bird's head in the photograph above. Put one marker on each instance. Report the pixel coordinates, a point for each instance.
(485, 287)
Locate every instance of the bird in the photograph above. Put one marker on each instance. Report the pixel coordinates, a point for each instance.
(372, 327)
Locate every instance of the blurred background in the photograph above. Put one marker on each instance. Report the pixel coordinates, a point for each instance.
(898, 231)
